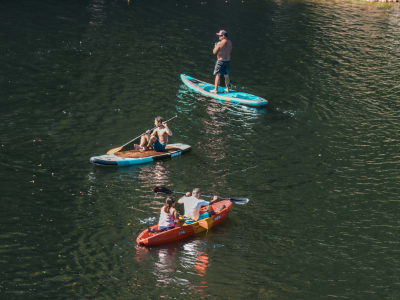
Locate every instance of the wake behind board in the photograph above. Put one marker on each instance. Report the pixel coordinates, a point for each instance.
(232, 96)
(133, 157)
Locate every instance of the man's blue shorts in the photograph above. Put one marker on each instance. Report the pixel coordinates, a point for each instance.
(159, 147)
(222, 67)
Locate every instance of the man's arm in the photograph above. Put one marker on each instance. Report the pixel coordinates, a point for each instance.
(167, 130)
(218, 46)
(188, 194)
(215, 199)
(155, 132)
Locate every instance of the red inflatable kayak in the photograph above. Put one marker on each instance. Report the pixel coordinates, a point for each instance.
(147, 238)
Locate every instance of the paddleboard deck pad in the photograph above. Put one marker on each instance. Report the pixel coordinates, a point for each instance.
(232, 96)
(134, 157)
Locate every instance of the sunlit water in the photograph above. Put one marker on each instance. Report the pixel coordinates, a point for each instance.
(320, 164)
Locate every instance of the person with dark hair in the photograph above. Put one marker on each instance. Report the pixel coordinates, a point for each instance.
(222, 50)
(158, 139)
(168, 215)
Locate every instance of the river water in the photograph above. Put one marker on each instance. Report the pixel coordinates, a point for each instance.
(320, 164)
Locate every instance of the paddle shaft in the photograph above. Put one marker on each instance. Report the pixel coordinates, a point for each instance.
(168, 191)
(145, 133)
(207, 196)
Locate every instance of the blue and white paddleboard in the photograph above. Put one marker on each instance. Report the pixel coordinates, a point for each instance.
(133, 157)
(232, 96)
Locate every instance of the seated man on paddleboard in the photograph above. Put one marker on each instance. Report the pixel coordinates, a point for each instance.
(222, 67)
(192, 205)
(157, 140)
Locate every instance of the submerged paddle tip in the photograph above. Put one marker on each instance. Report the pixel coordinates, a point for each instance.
(162, 189)
(240, 201)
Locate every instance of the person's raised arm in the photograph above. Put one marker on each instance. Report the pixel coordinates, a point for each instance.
(167, 130)
(216, 47)
(215, 199)
(188, 194)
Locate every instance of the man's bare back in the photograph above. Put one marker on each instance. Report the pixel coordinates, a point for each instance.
(162, 134)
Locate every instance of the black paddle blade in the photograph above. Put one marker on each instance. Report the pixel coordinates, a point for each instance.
(162, 189)
(240, 201)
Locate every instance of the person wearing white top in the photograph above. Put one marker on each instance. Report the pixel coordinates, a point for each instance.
(168, 215)
(192, 204)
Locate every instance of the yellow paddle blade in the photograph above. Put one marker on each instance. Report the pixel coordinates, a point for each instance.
(114, 150)
(206, 223)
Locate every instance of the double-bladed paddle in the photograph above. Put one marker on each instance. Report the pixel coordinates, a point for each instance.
(123, 147)
(165, 190)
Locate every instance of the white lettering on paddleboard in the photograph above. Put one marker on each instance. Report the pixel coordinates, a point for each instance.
(176, 153)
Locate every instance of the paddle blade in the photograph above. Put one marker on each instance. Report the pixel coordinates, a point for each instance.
(205, 223)
(162, 189)
(114, 150)
(240, 201)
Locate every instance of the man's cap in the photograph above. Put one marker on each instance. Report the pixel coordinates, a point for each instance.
(222, 32)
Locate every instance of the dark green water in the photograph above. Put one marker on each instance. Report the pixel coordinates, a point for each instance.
(320, 164)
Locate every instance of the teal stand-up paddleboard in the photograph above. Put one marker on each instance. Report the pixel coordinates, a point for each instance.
(232, 96)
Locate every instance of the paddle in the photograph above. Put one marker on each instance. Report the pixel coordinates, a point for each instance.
(165, 190)
(114, 150)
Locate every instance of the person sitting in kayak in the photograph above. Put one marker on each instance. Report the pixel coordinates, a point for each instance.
(158, 139)
(168, 215)
(192, 205)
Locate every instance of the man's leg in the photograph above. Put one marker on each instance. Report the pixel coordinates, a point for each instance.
(217, 76)
(227, 82)
(151, 142)
(143, 142)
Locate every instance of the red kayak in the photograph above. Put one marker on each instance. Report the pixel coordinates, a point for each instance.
(154, 237)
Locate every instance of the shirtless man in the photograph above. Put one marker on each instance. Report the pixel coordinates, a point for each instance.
(222, 67)
(158, 140)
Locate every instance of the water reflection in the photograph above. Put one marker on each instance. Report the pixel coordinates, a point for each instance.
(166, 265)
(213, 119)
(153, 172)
(96, 10)
(201, 264)
(198, 260)
(175, 262)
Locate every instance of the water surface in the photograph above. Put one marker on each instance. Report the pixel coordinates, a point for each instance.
(320, 164)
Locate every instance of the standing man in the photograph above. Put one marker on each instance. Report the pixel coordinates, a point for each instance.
(223, 50)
